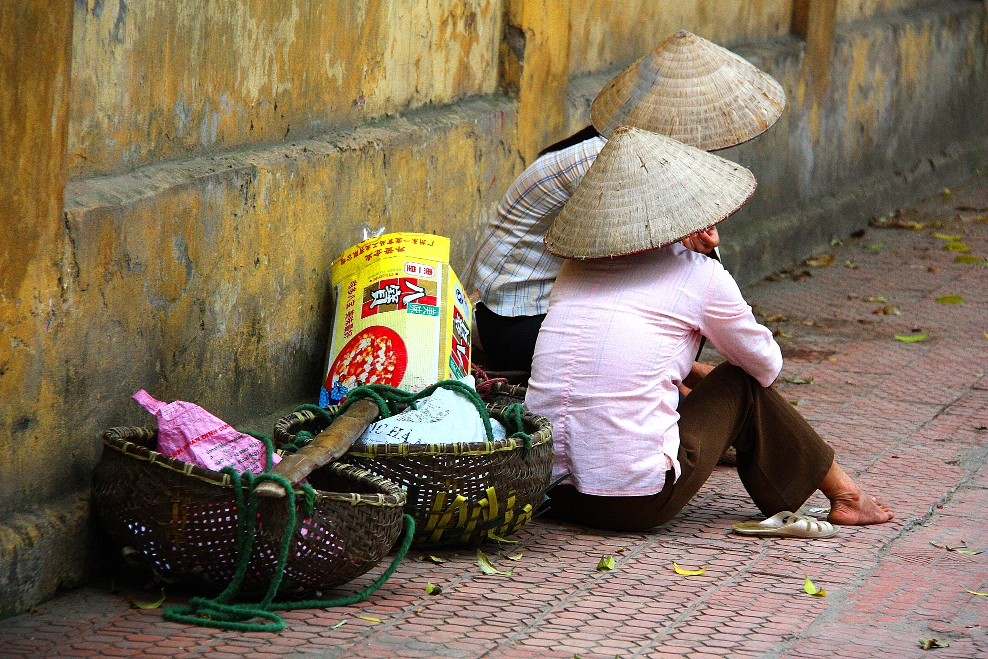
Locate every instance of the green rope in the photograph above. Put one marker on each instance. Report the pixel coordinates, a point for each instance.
(219, 613)
(512, 414)
(390, 399)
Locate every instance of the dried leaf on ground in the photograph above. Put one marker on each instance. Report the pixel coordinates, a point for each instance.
(931, 643)
(688, 573)
(959, 549)
(514, 557)
(888, 310)
(956, 247)
(808, 380)
(776, 318)
(949, 237)
(147, 605)
(495, 536)
(781, 334)
(950, 299)
(876, 298)
(339, 624)
(486, 567)
(370, 618)
(432, 589)
(874, 247)
(794, 403)
(820, 261)
(912, 338)
(849, 264)
(969, 258)
(435, 560)
(810, 589)
(974, 592)
(605, 564)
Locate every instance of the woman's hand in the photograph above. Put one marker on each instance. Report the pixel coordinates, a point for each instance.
(703, 242)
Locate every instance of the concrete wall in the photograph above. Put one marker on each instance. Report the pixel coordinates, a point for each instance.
(221, 154)
(163, 79)
(34, 76)
(609, 32)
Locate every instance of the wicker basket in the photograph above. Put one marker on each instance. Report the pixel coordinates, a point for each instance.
(180, 520)
(458, 493)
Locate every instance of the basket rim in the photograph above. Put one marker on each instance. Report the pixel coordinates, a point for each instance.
(390, 496)
(286, 427)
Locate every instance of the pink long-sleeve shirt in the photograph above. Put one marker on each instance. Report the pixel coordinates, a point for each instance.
(620, 334)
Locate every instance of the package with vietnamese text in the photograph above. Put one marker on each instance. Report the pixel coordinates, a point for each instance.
(402, 317)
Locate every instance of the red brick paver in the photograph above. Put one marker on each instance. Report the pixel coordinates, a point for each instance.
(908, 419)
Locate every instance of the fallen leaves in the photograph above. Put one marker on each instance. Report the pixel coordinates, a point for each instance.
(339, 624)
(435, 560)
(606, 564)
(371, 619)
(147, 605)
(912, 338)
(949, 237)
(888, 310)
(874, 247)
(956, 247)
(808, 380)
(950, 299)
(513, 557)
(776, 318)
(974, 592)
(876, 298)
(495, 536)
(931, 643)
(810, 589)
(970, 258)
(433, 589)
(960, 549)
(820, 261)
(487, 567)
(687, 573)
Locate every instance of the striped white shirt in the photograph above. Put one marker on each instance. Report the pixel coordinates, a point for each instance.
(512, 269)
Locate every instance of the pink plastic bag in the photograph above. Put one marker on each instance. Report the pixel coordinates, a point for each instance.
(191, 434)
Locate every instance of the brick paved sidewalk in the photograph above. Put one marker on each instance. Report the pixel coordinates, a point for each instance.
(907, 419)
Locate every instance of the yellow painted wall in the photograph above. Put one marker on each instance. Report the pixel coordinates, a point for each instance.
(214, 288)
(162, 79)
(34, 79)
(609, 32)
(849, 10)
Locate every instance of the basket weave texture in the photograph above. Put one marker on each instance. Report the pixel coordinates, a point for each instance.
(181, 520)
(458, 493)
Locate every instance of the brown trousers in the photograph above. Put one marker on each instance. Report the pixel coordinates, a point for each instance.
(781, 459)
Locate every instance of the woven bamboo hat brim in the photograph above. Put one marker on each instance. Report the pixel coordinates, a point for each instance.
(693, 91)
(645, 191)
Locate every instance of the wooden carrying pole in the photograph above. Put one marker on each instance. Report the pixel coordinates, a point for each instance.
(328, 445)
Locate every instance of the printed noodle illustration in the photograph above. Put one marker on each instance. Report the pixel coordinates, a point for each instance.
(375, 355)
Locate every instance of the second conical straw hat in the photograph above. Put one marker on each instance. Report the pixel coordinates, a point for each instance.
(693, 91)
(644, 191)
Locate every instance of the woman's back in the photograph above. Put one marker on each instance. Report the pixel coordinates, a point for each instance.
(619, 336)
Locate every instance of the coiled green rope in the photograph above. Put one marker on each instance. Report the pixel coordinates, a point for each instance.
(218, 612)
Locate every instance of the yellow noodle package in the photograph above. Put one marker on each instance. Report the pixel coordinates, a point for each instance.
(402, 317)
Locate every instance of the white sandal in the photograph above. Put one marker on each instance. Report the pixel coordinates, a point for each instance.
(787, 525)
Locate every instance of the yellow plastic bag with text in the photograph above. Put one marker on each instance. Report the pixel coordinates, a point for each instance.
(402, 317)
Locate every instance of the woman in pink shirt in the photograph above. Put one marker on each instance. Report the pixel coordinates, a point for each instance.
(619, 338)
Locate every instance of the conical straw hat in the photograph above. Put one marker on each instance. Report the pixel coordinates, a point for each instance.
(644, 191)
(693, 91)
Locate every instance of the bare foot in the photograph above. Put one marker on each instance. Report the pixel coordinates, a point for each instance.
(858, 510)
(849, 506)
